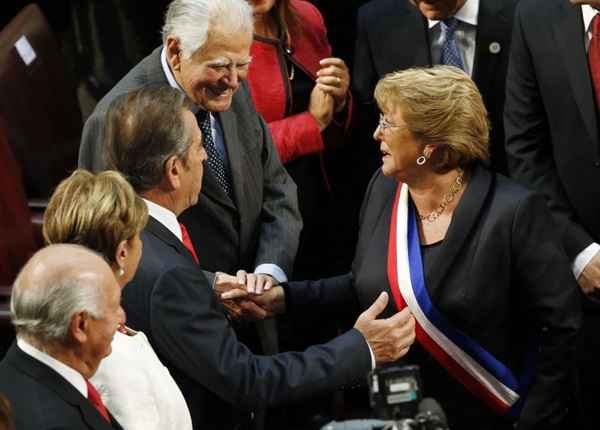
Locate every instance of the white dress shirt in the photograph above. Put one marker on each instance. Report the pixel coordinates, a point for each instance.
(465, 34)
(217, 133)
(71, 375)
(584, 257)
(138, 390)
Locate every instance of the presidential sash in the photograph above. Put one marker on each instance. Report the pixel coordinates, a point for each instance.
(467, 361)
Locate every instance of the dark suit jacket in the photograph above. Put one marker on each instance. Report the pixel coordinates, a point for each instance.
(501, 276)
(551, 121)
(263, 224)
(393, 35)
(42, 399)
(172, 301)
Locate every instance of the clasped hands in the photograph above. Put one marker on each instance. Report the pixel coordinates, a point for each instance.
(249, 296)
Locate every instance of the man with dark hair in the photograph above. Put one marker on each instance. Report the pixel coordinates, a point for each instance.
(65, 307)
(173, 301)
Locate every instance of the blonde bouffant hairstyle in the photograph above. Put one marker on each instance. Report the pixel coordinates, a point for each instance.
(441, 106)
(98, 211)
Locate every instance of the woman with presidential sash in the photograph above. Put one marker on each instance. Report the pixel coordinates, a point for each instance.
(473, 255)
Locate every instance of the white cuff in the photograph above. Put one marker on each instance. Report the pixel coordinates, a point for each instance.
(583, 258)
(273, 270)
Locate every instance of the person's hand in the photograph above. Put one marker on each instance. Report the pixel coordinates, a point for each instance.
(237, 304)
(334, 79)
(271, 301)
(388, 338)
(255, 283)
(589, 280)
(321, 106)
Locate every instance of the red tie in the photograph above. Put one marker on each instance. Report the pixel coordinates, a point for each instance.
(594, 57)
(96, 401)
(187, 242)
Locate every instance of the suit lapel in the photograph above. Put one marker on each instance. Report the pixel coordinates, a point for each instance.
(234, 151)
(63, 389)
(155, 228)
(466, 215)
(490, 40)
(568, 30)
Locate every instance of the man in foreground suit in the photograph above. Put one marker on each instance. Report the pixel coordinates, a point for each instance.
(398, 34)
(553, 143)
(173, 301)
(247, 214)
(66, 308)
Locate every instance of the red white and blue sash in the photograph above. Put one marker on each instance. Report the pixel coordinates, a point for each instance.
(463, 358)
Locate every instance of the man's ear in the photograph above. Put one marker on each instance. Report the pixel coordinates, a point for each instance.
(79, 326)
(172, 174)
(173, 53)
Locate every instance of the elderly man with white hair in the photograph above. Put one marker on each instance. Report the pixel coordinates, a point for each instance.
(66, 308)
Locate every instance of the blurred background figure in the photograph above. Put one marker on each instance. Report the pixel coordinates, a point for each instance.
(553, 145)
(302, 92)
(103, 213)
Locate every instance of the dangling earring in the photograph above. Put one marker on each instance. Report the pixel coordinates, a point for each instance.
(120, 272)
(421, 160)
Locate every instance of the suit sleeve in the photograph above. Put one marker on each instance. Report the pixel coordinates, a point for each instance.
(281, 222)
(552, 311)
(528, 139)
(193, 336)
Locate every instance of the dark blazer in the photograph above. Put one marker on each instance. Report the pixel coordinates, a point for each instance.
(501, 277)
(42, 399)
(263, 224)
(172, 301)
(552, 139)
(393, 35)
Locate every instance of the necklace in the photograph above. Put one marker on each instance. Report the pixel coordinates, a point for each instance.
(446, 199)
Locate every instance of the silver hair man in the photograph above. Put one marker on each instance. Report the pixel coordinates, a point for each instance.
(190, 21)
(62, 294)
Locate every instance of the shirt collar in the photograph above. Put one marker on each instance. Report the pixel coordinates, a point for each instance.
(588, 14)
(165, 217)
(71, 375)
(468, 13)
(171, 78)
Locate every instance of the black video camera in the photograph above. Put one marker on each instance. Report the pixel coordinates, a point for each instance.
(396, 398)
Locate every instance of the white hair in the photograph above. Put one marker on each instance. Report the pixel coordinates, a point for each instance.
(42, 310)
(190, 21)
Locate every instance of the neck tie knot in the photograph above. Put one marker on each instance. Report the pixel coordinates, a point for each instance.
(96, 400)
(450, 24)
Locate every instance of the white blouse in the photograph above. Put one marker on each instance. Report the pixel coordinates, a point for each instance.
(138, 390)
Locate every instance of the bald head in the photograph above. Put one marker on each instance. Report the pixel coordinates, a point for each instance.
(57, 282)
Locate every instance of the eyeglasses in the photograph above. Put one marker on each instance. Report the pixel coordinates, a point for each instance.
(384, 124)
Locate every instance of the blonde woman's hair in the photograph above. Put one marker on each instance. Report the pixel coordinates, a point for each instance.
(441, 106)
(98, 211)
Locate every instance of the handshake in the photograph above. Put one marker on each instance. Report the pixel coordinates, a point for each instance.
(257, 296)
